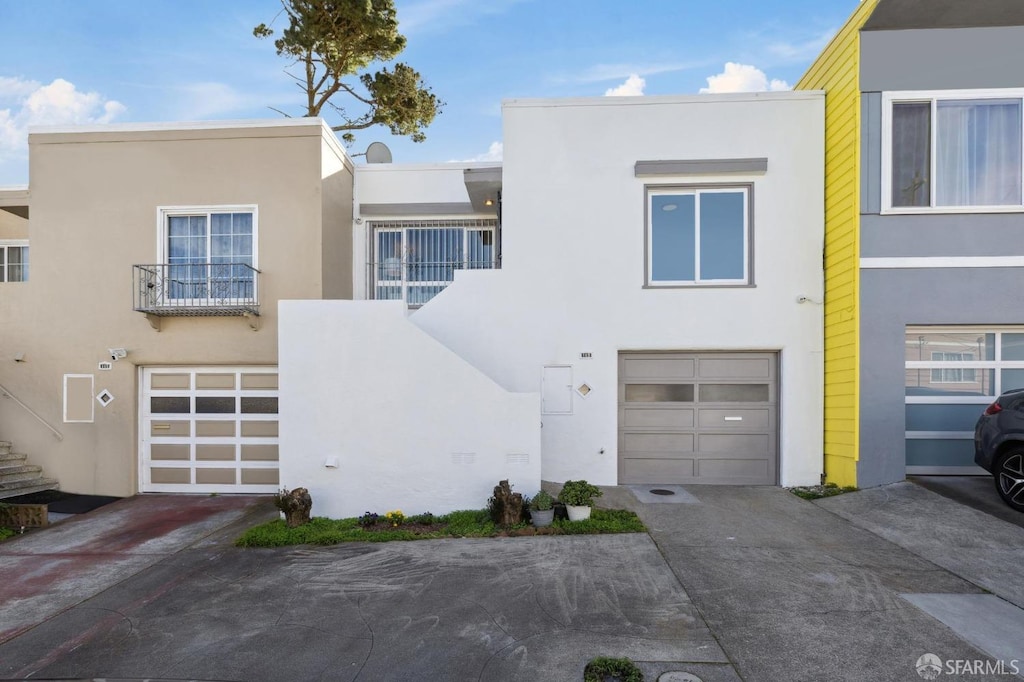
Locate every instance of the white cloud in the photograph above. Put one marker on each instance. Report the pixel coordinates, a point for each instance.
(633, 87)
(59, 103)
(493, 153)
(743, 78)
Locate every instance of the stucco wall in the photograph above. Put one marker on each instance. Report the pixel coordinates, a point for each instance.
(408, 424)
(94, 199)
(572, 278)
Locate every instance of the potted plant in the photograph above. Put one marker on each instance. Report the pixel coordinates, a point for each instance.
(542, 510)
(578, 498)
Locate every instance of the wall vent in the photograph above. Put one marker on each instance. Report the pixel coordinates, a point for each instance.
(517, 458)
(463, 458)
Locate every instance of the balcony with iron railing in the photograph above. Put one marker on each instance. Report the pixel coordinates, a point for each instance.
(416, 282)
(196, 289)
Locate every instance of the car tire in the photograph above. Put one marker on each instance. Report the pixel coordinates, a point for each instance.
(1008, 474)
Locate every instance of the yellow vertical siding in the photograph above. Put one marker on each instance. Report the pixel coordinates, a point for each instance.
(836, 71)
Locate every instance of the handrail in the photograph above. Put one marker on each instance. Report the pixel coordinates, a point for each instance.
(57, 434)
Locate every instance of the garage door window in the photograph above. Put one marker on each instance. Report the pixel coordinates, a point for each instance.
(698, 236)
(951, 374)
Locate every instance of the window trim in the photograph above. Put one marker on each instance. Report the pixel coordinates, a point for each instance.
(4, 269)
(165, 212)
(933, 96)
(651, 190)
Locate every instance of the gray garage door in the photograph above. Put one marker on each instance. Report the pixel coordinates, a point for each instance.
(698, 418)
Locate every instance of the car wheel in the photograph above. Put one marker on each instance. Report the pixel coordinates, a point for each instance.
(1009, 478)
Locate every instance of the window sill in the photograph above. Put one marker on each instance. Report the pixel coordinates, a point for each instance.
(954, 210)
(700, 285)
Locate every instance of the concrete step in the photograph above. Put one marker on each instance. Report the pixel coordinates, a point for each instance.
(5, 447)
(35, 485)
(11, 458)
(22, 472)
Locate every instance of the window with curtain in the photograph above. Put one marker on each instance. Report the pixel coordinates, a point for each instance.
(415, 260)
(14, 262)
(210, 254)
(956, 152)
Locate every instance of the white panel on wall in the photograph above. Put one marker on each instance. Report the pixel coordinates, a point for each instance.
(556, 389)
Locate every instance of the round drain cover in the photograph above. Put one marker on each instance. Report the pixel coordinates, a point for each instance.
(661, 491)
(678, 676)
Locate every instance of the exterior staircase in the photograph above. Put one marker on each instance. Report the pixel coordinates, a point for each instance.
(17, 477)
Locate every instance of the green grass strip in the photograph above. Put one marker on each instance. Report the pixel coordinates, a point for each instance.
(458, 524)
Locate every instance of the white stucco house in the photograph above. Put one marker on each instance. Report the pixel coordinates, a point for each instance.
(632, 296)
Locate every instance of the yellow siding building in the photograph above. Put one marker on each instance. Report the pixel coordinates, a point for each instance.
(836, 72)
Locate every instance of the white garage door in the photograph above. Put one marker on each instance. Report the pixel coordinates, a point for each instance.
(208, 429)
(698, 418)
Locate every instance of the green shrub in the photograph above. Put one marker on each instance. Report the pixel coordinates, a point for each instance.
(542, 502)
(579, 493)
(602, 669)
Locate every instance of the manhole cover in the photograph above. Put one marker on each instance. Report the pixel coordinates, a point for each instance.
(678, 676)
(661, 491)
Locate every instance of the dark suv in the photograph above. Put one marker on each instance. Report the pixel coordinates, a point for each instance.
(999, 446)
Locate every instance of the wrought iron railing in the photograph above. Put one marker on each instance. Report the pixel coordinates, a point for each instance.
(416, 282)
(196, 289)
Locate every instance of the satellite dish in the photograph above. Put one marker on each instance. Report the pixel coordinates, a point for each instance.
(378, 152)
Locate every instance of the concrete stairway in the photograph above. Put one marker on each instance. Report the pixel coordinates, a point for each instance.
(17, 477)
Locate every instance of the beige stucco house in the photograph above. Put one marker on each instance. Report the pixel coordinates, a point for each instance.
(139, 353)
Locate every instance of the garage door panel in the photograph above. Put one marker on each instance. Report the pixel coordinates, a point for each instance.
(177, 451)
(737, 443)
(217, 453)
(208, 429)
(660, 367)
(168, 429)
(260, 477)
(736, 420)
(653, 417)
(726, 469)
(163, 475)
(655, 469)
(736, 368)
(658, 442)
(259, 453)
(216, 476)
(215, 429)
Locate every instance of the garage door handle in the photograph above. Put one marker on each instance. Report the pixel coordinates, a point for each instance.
(161, 427)
(734, 419)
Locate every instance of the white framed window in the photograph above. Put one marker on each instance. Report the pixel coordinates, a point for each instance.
(953, 375)
(698, 236)
(14, 261)
(210, 252)
(415, 260)
(953, 151)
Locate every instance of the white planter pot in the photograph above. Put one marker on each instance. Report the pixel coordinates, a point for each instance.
(541, 519)
(577, 513)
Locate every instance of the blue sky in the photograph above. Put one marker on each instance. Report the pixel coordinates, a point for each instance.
(89, 61)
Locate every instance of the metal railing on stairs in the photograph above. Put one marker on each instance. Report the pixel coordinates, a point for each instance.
(7, 394)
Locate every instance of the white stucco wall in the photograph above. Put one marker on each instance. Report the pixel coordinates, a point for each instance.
(409, 424)
(573, 226)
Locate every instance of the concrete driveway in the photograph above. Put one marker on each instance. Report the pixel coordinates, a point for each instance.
(477, 609)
